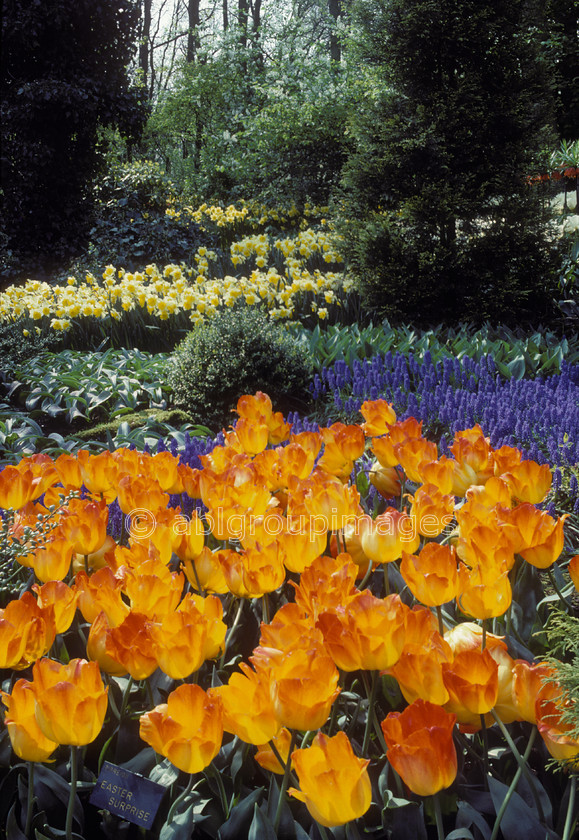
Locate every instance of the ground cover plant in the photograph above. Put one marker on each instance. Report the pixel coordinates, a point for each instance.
(269, 633)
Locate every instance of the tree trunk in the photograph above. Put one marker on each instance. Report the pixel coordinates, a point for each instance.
(225, 16)
(242, 16)
(335, 9)
(145, 40)
(192, 33)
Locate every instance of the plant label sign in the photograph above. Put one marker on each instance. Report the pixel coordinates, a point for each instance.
(127, 795)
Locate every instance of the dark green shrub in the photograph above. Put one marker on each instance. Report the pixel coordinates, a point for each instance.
(16, 347)
(238, 352)
(132, 228)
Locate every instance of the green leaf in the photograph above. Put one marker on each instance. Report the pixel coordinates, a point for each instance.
(261, 826)
(241, 816)
(517, 368)
(13, 830)
(519, 820)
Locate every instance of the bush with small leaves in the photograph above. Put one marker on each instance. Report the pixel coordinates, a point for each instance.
(239, 351)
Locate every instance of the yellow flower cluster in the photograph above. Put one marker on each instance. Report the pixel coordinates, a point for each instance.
(197, 290)
(253, 215)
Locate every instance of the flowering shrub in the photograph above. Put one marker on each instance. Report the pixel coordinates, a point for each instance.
(261, 622)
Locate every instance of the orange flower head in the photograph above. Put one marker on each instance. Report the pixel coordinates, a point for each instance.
(573, 569)
(187, 637)
(27, 739)
(342, 446)
(311, 442)
(472, 449)
(71, 700)
(386, 480)
(26, 632)
(440, 473)
(255, 407)
(505, 459)
(431, 511)
(105, 556)
(154, 595)
(329, 502)
(84, 525)
(472, 681)
(61, 599)
(205, 571)
(301, 547)
(69, 472)
(413, 454)
(384, 448)
(432, 575)
(554, 730)
(369, 635)
(187, 729)
(279, 431)
(304, 687)
(529, 481)
(506, 706)
(141, 493)
(248, 708)
(52, 561)
(335, 784)
(290, 628)
(327, 584)
(421, 747)
(484, 591)
(295, 459)
(468, 636)
(266, 757)
(379, 416)
(164, 468)
(101, 591)
(386, 537)
(131, 645)
(96, 647)
(529, 686)
(419, 669)
(253, 572)
(16, 487)
(100, 473)
(253, 435)
(191, 537)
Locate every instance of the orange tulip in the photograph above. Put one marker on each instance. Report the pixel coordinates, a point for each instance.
(335, 784)
(535, 535)
(84, 525)
(253, 572)
(164, 468)
(187, 729)
(101, 591)
(399, 432)
(413, 453)
(61, 599)
(385, 538)
(96, 647)
(379, 416)
(484, 591)
(304, 686)
(473, 454)
(505, 458)
(342, 446)
(329, 502)
(130, 644)
(419, 669)
(432, 575)
(253, 435)
(27, 739)
(301, 548)
(369, 634)
(440, 473)
(205, 572)
(26, 632)
(472, 681)
(421, 748)
(100, 473)
(326, 585)
(248, 708)
(290, 628)
(16, 487)
(141, 493)
(187, 637)
(266, 757)
(71, 700)
(529, 686)
(298, 460)
(386, 480)
(529, 481)
(431, 511)
(191, 540)
(52, 561)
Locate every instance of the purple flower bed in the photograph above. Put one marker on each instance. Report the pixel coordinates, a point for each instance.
(540, 416)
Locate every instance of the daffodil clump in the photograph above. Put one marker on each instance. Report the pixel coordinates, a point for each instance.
(293, 277)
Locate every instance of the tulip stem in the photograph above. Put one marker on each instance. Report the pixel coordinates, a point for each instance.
(231, 632)
(284, 783)
(282, 763)
(570, 808)
(485, 737)
(29, 798)
(323, 832)
(265, 608)
(512, 786)
(438, 816)
(126, 693)
(197, 581)
(555, 586)
(484, 634)
(370, 718)
(72, 795)
(182, 796)
(366, 577)
(386, 581)
(440, 621)
(522, 764)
